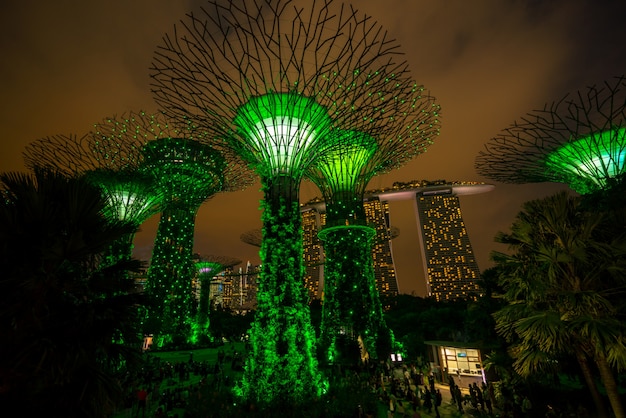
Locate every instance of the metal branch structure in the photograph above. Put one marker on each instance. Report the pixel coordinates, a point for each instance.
(252, 237)
(129, 193)
(187, 172)
(579, 140)
(271, 80)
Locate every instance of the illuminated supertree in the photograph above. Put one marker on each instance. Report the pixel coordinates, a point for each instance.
(187, 172)
(208, 267)
(271, 80)
(129, 193)
(579, 140)
(351, 300)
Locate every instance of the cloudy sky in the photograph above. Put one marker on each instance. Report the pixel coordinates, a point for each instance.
(68, 64)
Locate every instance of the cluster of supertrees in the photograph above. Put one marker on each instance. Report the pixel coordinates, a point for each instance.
(579, 140)
(144, 166)
(317, 92)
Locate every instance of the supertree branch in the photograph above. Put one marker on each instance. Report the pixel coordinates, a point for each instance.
(215, 61)
(68, 154)
(271, 80)
(252, 237)
(579, 140)
(123, 137)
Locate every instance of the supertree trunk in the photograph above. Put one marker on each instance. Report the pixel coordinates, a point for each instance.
(170, 276)
(282, 366)
(351, 303)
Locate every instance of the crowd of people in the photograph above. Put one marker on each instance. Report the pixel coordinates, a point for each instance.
(164, 389)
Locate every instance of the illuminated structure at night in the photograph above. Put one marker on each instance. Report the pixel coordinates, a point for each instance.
(579, 140)
(129, 194)
(377, 216)
(351, 300)
(207, 267)
(450, 267)
(186, 172)
(271, 80)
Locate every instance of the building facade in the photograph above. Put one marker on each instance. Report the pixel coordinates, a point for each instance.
(451, 270)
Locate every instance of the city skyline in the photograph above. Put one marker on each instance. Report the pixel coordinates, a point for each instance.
(486, 64)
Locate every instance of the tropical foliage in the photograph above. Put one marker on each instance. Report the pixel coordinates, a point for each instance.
(563, 281)
(67, 324)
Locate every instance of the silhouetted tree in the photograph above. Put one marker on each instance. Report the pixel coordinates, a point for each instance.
(68, 326)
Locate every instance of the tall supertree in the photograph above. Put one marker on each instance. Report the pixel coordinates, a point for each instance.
(272, 79)
(129, 193)
(187, 172)
(351, 301)
(579, 140)
(208, 267)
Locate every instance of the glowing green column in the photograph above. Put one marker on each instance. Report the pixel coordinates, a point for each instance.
(281, 133)
(187, 173)
(351, 307)
(206, 271)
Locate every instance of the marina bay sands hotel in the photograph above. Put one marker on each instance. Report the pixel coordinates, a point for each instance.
(450, 267)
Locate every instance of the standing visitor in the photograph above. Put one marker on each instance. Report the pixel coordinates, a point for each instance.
(142, 399)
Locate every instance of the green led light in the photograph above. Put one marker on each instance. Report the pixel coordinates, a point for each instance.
(281, 128)
(586, 163)
(187, 173)
(348, 154)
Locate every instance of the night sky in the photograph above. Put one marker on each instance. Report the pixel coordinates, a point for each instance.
(68, 64)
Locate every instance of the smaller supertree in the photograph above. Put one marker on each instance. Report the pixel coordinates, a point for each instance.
(349, 306)
(207, 268)
(579, 140)
(129, 194)
(187, 172)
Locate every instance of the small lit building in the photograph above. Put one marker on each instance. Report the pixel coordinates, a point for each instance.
(462, 361)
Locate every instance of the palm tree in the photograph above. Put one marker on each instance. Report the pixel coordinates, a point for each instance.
(562, 282)
(67, 325)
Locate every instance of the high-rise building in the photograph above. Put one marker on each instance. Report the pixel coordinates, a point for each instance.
(377, 213)
(450, 267)
(313, 253)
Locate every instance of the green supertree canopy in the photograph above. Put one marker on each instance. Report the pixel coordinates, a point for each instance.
(129, 194)
(342, 173)
(280, 131)
(267, 77)
(591, 160)
(578, 140)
